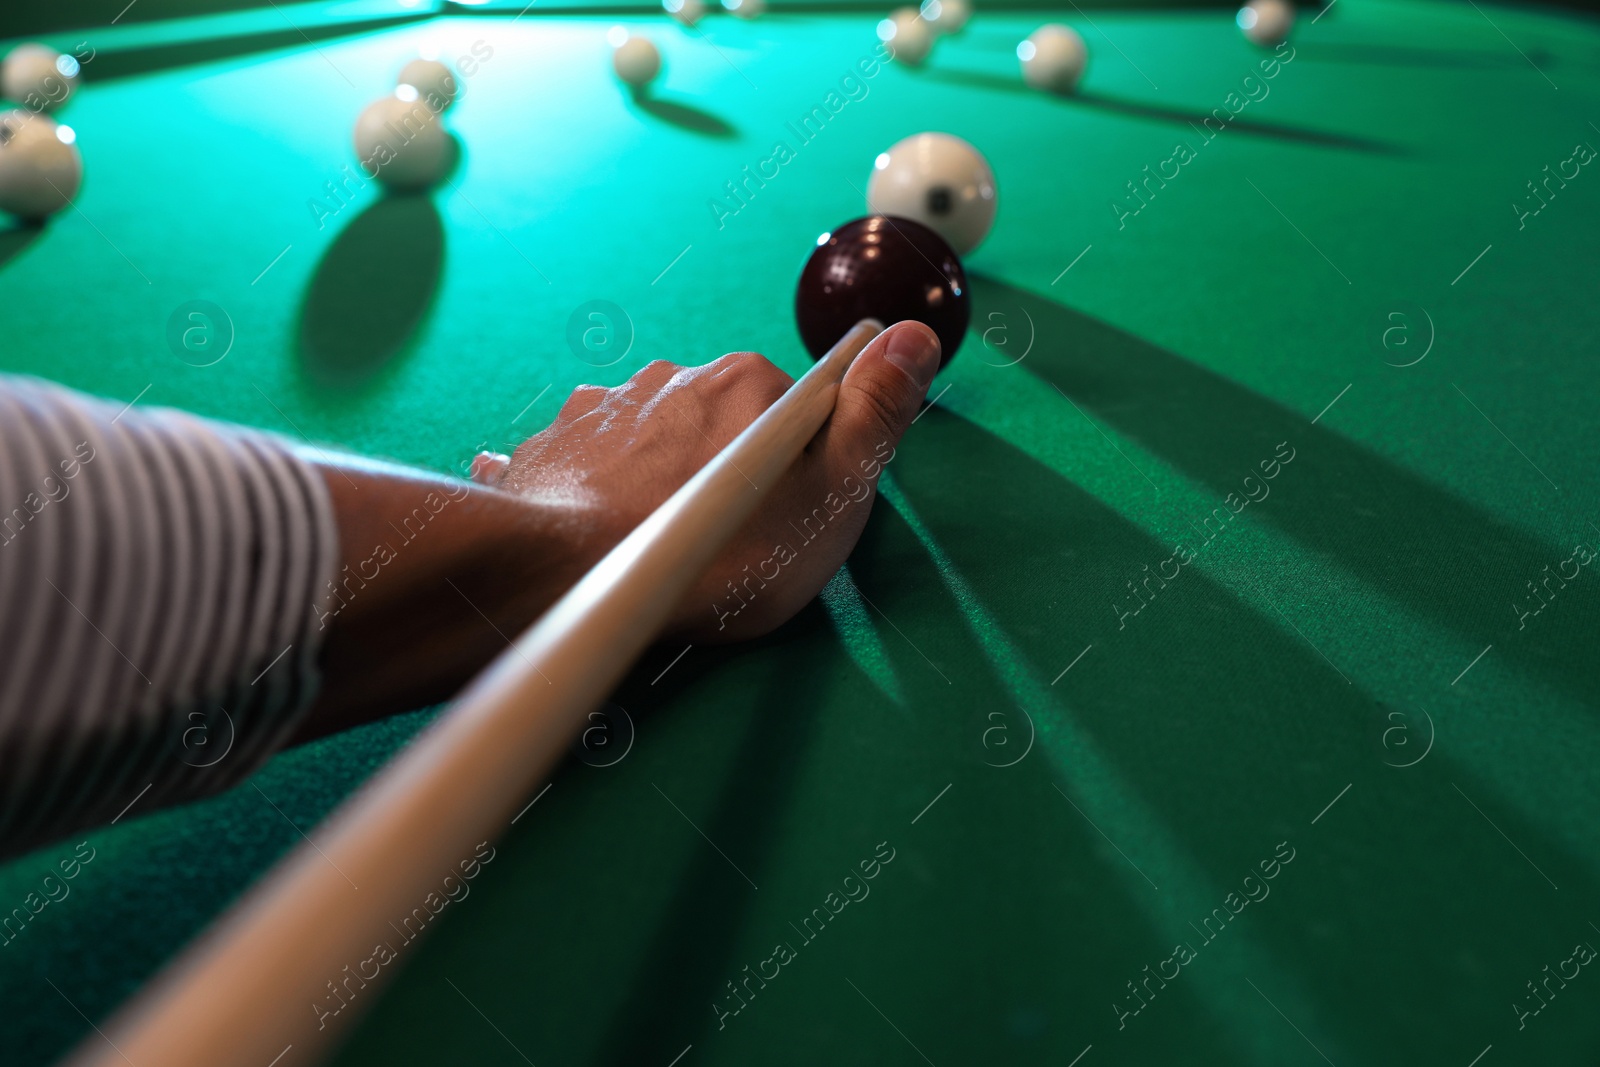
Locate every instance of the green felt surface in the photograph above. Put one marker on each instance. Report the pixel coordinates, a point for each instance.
(1359, 617)
(32, 18)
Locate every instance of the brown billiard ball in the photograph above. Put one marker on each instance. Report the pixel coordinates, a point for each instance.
(884, 268)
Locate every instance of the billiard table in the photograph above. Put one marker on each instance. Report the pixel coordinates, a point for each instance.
(1293, 353)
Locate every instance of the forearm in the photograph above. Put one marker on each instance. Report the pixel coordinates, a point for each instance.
(176, 592)
(158, 578)
(437, 576)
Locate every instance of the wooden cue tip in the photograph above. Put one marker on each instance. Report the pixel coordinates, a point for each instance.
(854, 341)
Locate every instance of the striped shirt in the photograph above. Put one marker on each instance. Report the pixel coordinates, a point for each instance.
(160, 584)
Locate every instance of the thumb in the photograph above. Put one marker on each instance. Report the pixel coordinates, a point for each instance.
(881, 392)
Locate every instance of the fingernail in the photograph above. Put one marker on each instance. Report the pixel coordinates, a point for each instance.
(914, 352)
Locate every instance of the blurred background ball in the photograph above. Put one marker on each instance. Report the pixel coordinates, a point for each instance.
(1053, 58)
(434, 80)
(636, 60)
(946, 16)
(38, 78)
(687, 12)
(908, 34)
(401, 141)
(40, 167)
(1266, 22)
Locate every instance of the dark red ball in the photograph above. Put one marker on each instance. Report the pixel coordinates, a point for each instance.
(886, 268)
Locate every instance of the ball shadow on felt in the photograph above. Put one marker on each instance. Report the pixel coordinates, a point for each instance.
(684, 116)
(16, 239)
(372, 289)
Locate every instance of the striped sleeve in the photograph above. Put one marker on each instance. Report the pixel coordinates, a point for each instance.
(162, 579)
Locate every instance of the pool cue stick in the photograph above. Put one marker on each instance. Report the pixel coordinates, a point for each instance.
(244, 995)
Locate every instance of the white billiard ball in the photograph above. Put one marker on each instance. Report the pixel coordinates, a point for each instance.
(434, 80)
(1053, 58)
(402, 142)
(1266, 22)
(908, 35)
(745, 9)
(636, 60)
(940, 181)
(687, 12)
(40, 168)
(946, 16)
(38, 78)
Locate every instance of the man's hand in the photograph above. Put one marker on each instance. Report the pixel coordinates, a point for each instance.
(613, 455)
(439, 575)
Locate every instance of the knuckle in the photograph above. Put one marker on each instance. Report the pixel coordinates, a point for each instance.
(737, 365)
(650, 378)
(583, 398)
(769, 371)
(749, 363)
(755, 373)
